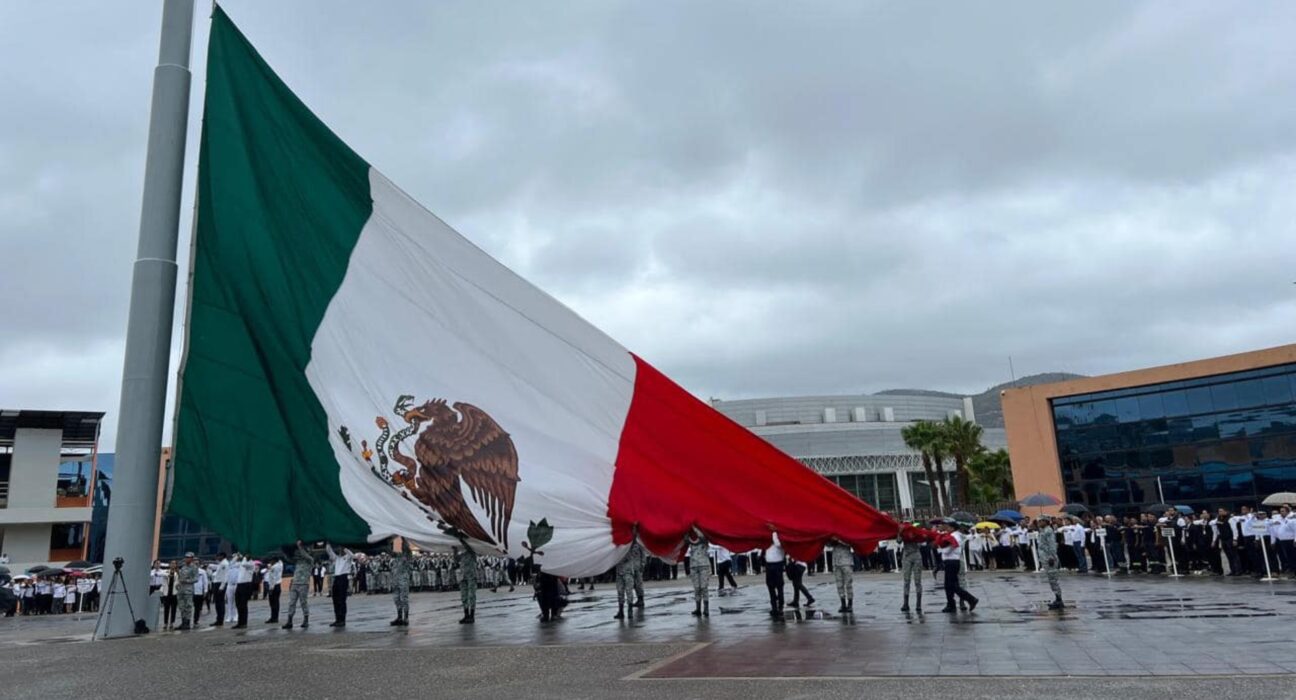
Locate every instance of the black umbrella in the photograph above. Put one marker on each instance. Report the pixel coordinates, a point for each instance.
(1074, 509)
(36, 569)
(963, 516)
(51, 572)
(1157, 508)
(78, 564)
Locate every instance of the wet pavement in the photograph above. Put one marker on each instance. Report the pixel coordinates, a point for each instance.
(1136, 628)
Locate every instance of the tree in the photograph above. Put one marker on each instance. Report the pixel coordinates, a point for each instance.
(921, 436)
(990, 477)
(962, 440)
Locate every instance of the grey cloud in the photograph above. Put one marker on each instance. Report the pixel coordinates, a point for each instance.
(760, 199)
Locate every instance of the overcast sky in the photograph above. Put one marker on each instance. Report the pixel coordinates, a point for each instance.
(759, 198)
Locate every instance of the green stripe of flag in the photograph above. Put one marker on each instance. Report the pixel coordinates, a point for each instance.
(281, 203)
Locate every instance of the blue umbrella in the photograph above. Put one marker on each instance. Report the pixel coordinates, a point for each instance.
(1009, 515)
(1040, 500)
(1184, 509)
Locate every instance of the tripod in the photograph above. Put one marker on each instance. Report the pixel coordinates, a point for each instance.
(110, 596)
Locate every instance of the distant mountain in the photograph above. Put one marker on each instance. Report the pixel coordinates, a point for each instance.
(989, 412)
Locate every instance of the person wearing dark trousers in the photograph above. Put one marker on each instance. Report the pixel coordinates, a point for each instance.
(775, 559)
(274, 584)
(216, 580)
(951, 553)
(243, 590)
(169, 598)
(724, 567)
(796, 572)
(343, 566)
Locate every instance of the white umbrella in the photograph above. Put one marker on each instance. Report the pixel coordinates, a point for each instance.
(1280, 498)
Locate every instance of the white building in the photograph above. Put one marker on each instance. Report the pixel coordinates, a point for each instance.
(46, 480)
(855, 440)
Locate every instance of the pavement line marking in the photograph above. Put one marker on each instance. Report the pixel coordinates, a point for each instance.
(639, 675)
(425, 647)
(929, 677)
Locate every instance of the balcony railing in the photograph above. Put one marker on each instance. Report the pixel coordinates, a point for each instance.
(71, 501)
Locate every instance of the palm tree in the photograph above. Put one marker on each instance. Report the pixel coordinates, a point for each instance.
(990, 476)
(963, 441)
(920, 436)
(938, 446)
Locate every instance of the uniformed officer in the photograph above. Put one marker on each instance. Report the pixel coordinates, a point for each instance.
(912, 538)
(299, 587)
(185, 579)
(399, 570)
(699, 554)
(1048, 554)
(467, 560)
(625, 578)
(638, 557)
(843, 561)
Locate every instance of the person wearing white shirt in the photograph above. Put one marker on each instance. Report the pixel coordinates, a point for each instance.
(201, 586)
(84, 586)
(950, 547)
(242, 571)
(219, 576)
(157, 576)
(231, 586)
(274, 581)
(343, 566)
(775, 561)
(59, 592)
(724, 567)
(1077, 537)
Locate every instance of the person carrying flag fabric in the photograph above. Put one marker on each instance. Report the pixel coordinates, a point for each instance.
(699, 551)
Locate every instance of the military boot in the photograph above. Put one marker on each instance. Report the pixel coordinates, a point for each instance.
(706, 609)
(850, 605)
(288, 625)
(1056, 604)
(639, 603)
(905, 607)
(843, 606)
(697, 609)
(305, 621)
(918, 601)
(184, 625)
(397, 621)
(467, 618)
(620, 612)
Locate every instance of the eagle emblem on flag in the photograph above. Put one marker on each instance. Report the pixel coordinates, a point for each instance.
(454, 445)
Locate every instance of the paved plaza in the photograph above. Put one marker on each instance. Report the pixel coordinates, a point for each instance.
(1195, 637)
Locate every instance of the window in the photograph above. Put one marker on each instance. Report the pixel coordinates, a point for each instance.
(1250, 393)
(67, 535)
(921, 490)
(1209, 442)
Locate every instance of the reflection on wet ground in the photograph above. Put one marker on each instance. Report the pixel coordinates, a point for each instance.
(1123, 626)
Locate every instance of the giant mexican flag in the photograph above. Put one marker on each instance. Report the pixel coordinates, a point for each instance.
(356, 369)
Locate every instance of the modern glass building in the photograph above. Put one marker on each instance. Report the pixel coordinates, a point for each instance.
(1208, 434)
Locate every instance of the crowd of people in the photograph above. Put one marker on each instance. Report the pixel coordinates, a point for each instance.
(1251, 542)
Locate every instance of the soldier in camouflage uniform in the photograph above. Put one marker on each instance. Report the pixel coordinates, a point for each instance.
(625, 579)
(467, 560)
(299, 588)
(699, 551)
(911, 566)
(843, 561)
(399, 571)
(638, 557)
(185, 579)
(1046, 546)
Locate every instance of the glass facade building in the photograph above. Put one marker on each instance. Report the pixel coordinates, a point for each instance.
(1224, 440)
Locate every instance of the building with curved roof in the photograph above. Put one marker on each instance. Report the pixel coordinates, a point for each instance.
(855, 440)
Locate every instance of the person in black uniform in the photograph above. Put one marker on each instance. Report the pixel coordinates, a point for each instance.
(796, 572)
(1224, 541)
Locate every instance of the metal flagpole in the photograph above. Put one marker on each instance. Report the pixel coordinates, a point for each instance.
(133, 507)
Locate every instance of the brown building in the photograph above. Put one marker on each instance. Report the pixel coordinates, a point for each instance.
(1211, 433)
